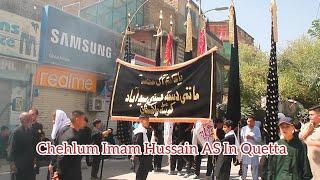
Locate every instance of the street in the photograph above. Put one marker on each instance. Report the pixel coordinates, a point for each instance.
(118, 169)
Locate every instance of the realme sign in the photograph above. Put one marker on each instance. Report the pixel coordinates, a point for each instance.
(57, 77)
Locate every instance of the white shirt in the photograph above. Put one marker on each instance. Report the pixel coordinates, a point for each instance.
(255, 132)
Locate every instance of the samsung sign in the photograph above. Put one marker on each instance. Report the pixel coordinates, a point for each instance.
(70, 41)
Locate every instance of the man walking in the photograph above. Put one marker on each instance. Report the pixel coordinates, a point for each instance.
(176, 161)
(69, 167)
(21, 150)
(97, 137)
(251, 134)
(37, 131)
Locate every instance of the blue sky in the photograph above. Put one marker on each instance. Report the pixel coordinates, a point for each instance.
(294, 18)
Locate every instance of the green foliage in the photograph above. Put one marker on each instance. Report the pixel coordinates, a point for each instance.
(253, 76)
(314, 31)
(246, 111)
(299, 71)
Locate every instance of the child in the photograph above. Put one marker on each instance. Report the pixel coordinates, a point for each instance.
(295, 165)
(223, 168)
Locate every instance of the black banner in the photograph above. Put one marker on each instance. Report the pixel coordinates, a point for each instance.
(179, 93)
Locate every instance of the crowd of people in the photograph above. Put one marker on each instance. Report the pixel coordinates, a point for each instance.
(301, 139)
(24, 161)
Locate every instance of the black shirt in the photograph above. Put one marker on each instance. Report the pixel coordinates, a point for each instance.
(21, 149)
(85, 135)
(69, 167)
(96, 137)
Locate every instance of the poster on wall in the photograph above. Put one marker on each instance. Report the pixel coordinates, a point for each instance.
(18, 99)
(20, 37)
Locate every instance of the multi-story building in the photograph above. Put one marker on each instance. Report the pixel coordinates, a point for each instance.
(221, 29)
(100, 20)
(19, 53)
(50, 75)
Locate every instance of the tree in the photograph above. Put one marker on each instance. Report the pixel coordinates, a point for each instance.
(253, 76)
(298, 71)
(299, 75)
(314, 31)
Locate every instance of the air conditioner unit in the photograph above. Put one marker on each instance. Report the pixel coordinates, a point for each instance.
(97, 104)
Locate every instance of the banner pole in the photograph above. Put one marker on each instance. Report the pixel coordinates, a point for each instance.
(109, 116)
(126, 30)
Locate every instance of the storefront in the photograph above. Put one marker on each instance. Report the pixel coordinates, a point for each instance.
(77, 65)
(62, 88)
(19, 52)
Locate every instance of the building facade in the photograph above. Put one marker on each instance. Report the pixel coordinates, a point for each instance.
(221, 29)
(80, 41)
(19, 52)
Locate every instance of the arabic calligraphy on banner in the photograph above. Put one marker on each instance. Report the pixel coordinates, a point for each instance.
(204, 132)
(180, 93)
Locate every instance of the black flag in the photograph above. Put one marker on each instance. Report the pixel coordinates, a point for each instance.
(272, 85)
(124, 127)
(158, 47)
(127, 51)
(234, 107)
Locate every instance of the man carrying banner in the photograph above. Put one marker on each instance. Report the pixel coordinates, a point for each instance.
(218, 135)
(176, 161)
(97, 137)
(142, 163)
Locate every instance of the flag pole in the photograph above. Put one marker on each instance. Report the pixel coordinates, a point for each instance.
(272, 110)
(234, 102)
(127, 32)
(171, 30)
(188, 47)
(130, 20)
(108, 118)
(159, 35)
(160, 26)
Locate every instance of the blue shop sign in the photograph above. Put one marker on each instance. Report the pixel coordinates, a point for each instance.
(68, 40)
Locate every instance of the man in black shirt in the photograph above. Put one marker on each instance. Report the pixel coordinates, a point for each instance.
(69, 167)
(21, 150)
(176, 161)
(37, 131)
(97, 137)
(85, 139)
